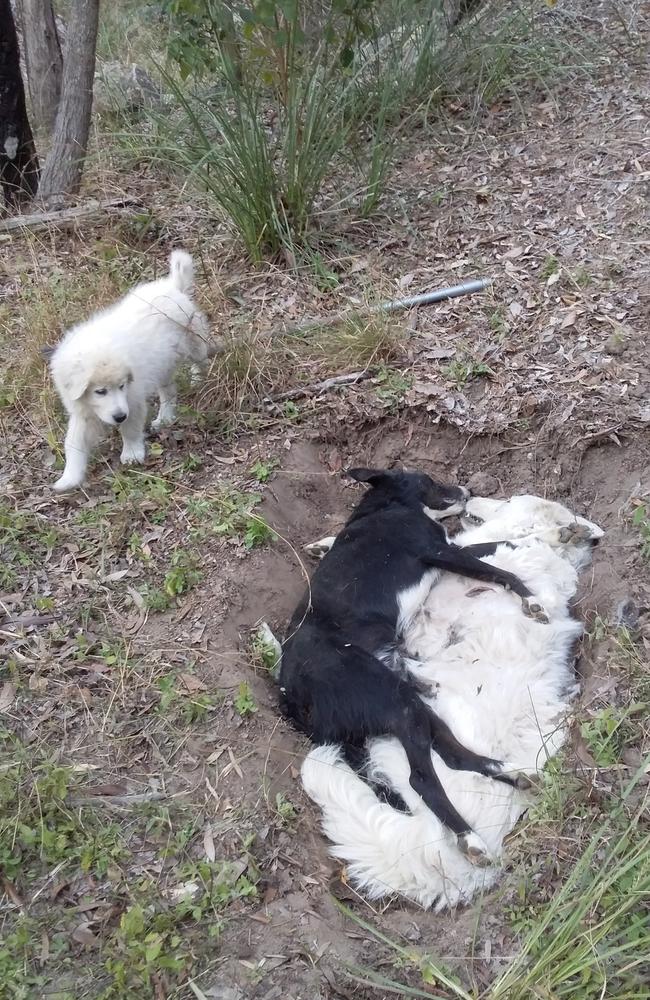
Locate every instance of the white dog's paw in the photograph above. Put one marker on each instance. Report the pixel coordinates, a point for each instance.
(319, 549)
(474, 849)
(133, 454)
(574, 534)
(66, 483)
(163, 420)
(533, 609)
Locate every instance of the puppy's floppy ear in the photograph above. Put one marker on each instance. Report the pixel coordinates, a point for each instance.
(374, 477)
(76, 379)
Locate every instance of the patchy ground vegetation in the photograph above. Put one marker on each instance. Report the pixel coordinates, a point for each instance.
(154, 839)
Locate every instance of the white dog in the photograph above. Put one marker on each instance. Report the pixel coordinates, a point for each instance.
(105, 369)
(502, 684)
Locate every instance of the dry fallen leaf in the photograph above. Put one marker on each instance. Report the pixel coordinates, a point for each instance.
(7, 696)
(208, 844)
(406, 280)
(191, 683)
(84, 935)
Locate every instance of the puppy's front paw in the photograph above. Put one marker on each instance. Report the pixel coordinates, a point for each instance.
(66, 483)
(320, 548)
(474, 849)
(133, 454)
(533, 609)
(166, 420)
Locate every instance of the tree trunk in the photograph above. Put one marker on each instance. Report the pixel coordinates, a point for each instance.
(18, 160)
(43, 60)
(64, 164)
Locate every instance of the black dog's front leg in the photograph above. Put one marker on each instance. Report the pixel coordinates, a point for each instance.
(457, 560)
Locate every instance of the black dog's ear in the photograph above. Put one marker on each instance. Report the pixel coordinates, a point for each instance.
(374, 477)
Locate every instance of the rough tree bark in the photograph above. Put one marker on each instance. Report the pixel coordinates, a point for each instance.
(64, 164)
(18, 160)
(43, 60)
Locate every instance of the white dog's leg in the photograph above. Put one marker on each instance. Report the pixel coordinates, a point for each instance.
(474, 849)
(167, 409)
(132, 431)
(320, 548)
(196, 373)
(79, 440)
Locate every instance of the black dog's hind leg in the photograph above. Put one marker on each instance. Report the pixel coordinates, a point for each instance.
(363, 699)
(458, 757)
(485, 548)
(456, 560)
(414, 734)
(357, 758)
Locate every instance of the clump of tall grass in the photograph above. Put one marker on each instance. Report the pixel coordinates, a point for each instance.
(591, 940)
(272, 110)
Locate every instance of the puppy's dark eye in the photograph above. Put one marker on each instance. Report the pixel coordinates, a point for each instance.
(100, 392)
(121, 386)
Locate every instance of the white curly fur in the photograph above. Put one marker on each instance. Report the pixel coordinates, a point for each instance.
(105, 369)
(501, 681)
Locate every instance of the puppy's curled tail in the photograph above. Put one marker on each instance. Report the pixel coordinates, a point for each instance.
(181, 271)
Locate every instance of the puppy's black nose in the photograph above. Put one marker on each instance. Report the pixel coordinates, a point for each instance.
(119, 417)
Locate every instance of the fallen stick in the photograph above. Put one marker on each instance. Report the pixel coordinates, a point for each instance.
(329, 383)
(37, 219)
(395, 305)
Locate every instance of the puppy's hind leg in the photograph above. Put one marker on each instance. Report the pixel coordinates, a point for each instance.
(167, 408)
(132, 431)
(79, 440)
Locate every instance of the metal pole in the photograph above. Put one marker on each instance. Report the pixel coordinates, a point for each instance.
(453, 292)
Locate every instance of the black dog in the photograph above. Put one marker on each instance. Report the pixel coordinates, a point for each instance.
(336, 679)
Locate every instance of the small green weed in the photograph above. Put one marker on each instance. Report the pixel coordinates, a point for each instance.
(461, 371)
(263, 651)
(25, 541)
(135, 486)
(183, 574)
(641, 520)
(391, 387)
(550, 266)
(244, 702)
(290, 410)
(262, 470)
(608, 731)
(581, 277)
(156, 599)
(285, 809)
(231, 513)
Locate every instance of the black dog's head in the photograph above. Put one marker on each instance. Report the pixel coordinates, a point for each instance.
(438, 499)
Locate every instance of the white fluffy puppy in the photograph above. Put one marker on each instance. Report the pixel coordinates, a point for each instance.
(105, 369)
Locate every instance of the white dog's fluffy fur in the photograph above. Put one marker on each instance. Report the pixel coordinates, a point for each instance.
(106, 368)
(501, 681)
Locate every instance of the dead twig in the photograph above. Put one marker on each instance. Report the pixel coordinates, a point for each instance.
(351, 378)
(64, 215)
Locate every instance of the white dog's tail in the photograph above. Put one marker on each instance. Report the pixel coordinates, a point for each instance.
(387, 851)
(181, 271)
